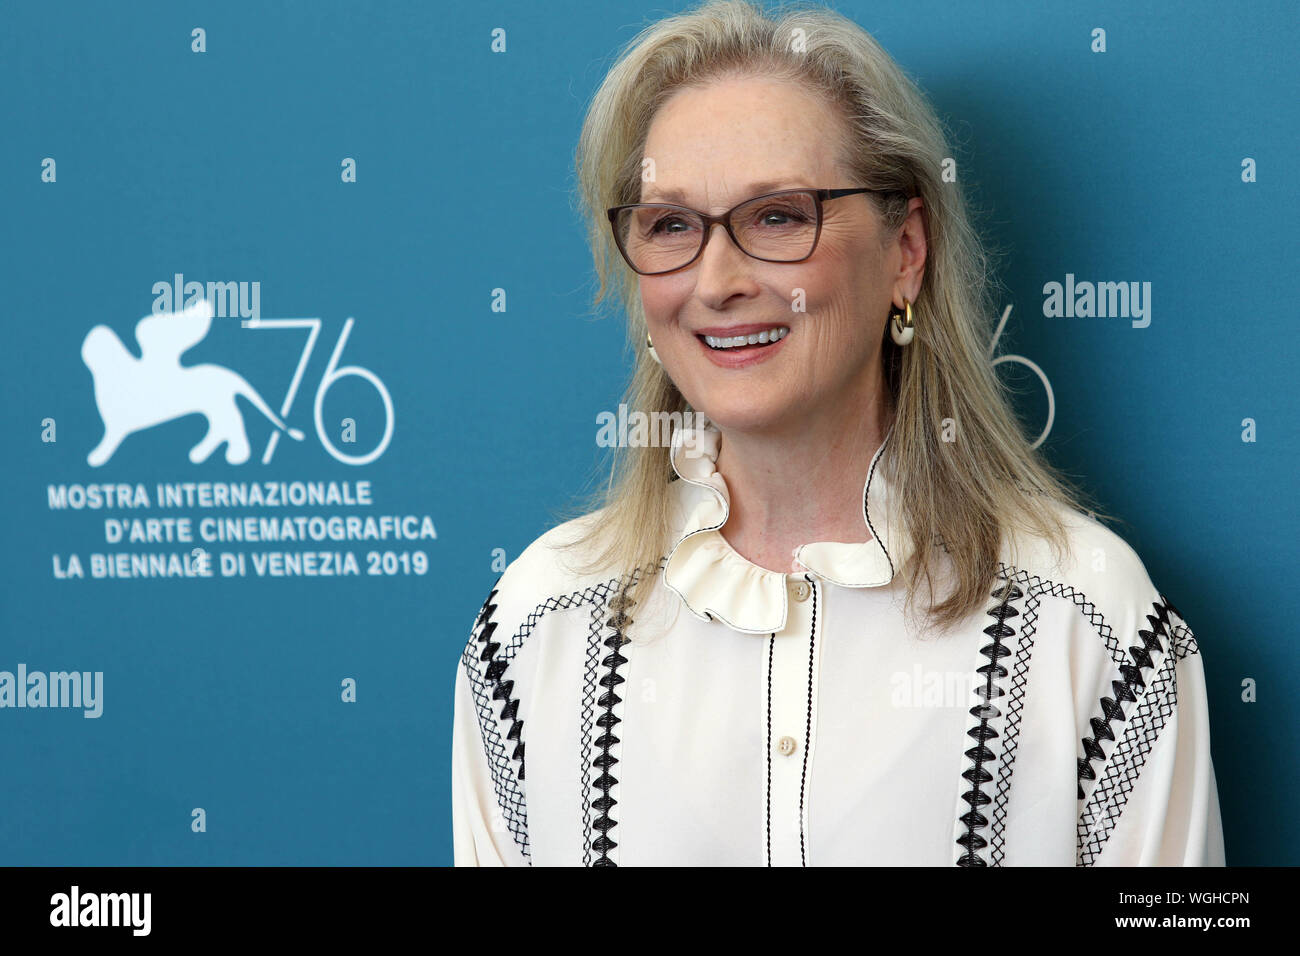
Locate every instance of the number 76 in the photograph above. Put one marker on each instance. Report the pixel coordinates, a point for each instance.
(331, 375)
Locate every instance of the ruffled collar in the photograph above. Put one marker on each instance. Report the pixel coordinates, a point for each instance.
(715, 581)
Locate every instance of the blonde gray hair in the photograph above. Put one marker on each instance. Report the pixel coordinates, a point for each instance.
(962, 496)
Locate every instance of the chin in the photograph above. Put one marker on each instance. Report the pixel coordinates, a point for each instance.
(733, 412)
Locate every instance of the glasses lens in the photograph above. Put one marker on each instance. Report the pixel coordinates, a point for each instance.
(779, 228)
(658, 238)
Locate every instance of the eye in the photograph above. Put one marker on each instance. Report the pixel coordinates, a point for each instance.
(777, 215)
(670, 224)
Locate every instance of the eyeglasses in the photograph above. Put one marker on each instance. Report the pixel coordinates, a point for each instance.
(782, 226)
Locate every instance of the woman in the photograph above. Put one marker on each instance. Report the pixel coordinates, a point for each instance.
(849, 617)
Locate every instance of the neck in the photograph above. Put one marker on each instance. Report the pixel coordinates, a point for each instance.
(802, 480)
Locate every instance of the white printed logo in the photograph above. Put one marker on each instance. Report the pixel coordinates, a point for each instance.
(137, 393)
(134, 394)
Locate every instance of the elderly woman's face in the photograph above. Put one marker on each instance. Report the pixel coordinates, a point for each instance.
(716, 147)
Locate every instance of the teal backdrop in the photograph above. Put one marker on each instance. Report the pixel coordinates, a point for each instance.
(375, 172)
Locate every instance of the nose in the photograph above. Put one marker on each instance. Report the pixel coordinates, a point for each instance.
(726, 240)
(721, 255)
(722, 265)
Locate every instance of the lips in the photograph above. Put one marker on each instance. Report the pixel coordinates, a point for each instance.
(726, 346)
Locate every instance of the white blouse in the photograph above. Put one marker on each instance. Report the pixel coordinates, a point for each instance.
(797, 719)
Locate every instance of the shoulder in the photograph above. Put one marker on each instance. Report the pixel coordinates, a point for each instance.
(1115, 647)
(547, 577)
(1098, 571)
(552, 568)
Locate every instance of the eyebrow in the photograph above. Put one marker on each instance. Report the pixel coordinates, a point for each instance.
(678, 197)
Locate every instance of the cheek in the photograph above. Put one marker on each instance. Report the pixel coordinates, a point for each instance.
(838, 283)
(841, 326)
(662, 298)
(833, 292)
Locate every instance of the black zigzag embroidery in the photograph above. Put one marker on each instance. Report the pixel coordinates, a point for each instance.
(981, 755)
(489, 684)
(608, 722)
(1131, 680)
(1106, 802)
(599, 752)
(487, 661)
(1142, 726)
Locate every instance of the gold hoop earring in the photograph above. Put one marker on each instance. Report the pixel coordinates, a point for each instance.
(650, 347)
(900, 329)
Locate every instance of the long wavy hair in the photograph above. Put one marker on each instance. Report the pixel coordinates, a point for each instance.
(961, 496)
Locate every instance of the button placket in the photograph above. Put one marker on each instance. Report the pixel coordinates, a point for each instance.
(793, 654)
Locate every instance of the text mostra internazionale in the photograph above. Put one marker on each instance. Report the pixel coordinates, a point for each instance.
(209, 494)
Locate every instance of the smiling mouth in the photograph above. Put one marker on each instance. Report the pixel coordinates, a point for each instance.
(754, 342)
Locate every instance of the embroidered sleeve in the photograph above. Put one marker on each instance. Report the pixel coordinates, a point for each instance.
(489, 825)
(1150, 797)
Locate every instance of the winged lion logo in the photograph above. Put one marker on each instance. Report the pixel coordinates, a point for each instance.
(133, 394)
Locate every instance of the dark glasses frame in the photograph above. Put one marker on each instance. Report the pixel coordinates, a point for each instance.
(819, 196)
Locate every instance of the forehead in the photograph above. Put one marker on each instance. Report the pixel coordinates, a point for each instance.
(738, 137)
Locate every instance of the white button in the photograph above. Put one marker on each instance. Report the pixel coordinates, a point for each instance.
(801, 591)
(786, 745)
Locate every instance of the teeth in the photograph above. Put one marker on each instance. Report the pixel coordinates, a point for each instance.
(774, 334)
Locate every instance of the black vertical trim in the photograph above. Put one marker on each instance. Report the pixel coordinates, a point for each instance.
(771, 643)
(608, 721)
(980, 755)
(807, 733)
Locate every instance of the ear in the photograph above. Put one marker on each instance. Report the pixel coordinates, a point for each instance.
(914, 245)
